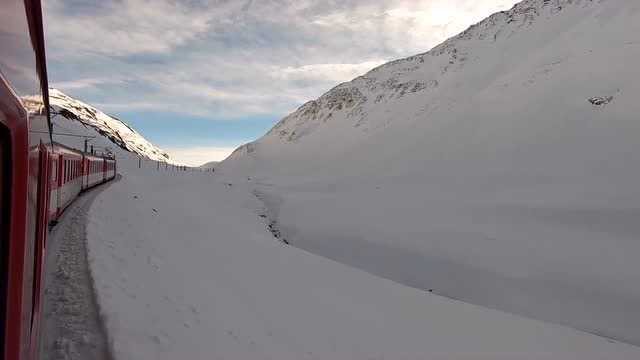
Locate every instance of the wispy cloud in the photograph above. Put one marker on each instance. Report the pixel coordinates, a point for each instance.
(233, 59)
(84, 83)
(120, 28)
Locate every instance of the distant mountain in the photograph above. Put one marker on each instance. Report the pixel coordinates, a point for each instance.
(116, 130)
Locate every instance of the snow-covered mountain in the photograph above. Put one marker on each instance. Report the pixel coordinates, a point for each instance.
(516, 55)
(499, 168)
(116, 130)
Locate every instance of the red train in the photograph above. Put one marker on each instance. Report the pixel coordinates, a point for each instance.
(72, 171)
(38, 178)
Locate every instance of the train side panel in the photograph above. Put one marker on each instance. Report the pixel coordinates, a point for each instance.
(110, 169)
(71, 177)
(95, 173)
(24, 128)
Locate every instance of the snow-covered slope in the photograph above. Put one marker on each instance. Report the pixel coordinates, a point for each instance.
(500, 167)
(549, 55)
(184, 269)
(210, 165)
(117, 131)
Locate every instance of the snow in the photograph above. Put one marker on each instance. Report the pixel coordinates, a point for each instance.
(499, 168)
(117, 131)
(480, 171)
(184, 267)
(210, 165)
(72, 328)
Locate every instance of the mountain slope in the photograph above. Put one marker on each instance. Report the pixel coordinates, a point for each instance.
(117, 131)
(499, 168)
(522, 50)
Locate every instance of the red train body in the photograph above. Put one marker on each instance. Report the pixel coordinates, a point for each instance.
(71, 172)
(38, 178)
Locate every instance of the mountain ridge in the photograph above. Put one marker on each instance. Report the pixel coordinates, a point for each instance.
(352, 94)
(116, 130)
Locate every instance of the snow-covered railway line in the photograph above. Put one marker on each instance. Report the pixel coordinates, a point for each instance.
(72, 325)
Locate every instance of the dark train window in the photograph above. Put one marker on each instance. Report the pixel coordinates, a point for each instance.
(5, 178)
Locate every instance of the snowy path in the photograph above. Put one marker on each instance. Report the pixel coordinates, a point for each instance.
(185, 268)
(72, 327)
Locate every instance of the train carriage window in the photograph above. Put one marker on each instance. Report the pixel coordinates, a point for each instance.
(5, 173)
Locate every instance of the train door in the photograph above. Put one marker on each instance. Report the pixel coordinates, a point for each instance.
(86, 173)
(59, 184)
(53, 186)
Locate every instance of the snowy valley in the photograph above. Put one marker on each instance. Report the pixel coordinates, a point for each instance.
(477, 201)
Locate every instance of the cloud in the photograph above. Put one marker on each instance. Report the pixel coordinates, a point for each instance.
(233, 59)
(83, 83)
(196, 156)
(118, 28)
(324, 72)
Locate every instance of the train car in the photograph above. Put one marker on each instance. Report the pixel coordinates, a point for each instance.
(109, 169)
(25, 141)
(95, 171)
(65, 178)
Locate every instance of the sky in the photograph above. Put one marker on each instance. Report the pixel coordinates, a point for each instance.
(199, 78)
